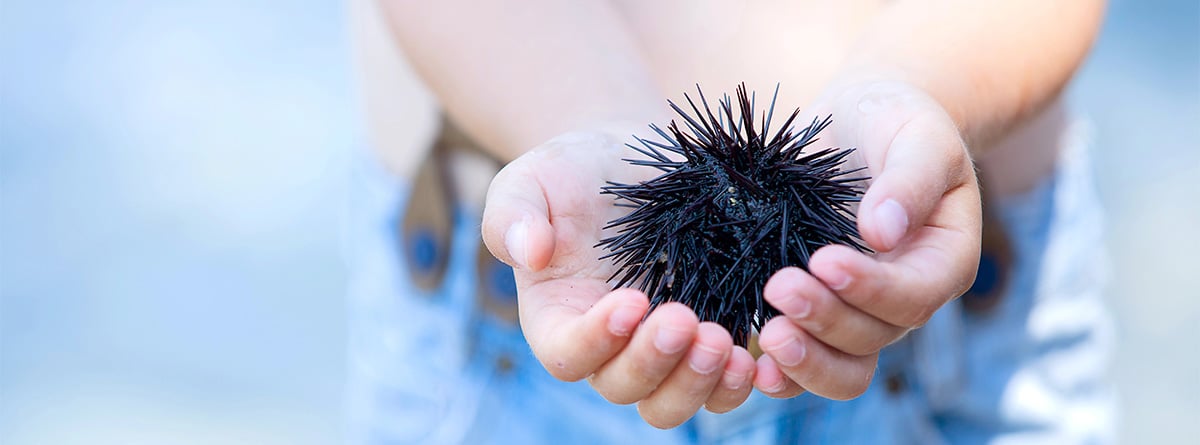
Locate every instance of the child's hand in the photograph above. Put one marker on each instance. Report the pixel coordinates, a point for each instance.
(921, 214)
(544, 216)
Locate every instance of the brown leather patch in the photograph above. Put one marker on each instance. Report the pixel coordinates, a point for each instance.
(448, 179)
(496, 288)
(427, 226)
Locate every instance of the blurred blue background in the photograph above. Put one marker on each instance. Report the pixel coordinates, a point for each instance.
(171, 175)
(170, 180)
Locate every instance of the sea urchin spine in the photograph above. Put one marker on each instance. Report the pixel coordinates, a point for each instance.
(731, 207)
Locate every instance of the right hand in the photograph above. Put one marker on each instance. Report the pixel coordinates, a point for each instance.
(544, 216)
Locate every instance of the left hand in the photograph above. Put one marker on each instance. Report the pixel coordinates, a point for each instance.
(544, 216)
(921, 214)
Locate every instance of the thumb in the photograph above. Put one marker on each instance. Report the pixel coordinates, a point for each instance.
(516, 223)
(925, 159)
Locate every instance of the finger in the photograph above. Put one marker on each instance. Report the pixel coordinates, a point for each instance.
(907, 286)
(771, 381)
(656, 348)
(516, 223)
(809, 304)
(571, 342)
(686, 389)
(813, 365)
(736, 382)
(924, 160)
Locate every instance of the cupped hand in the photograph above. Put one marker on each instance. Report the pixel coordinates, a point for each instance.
(921, 214)
(544, 216)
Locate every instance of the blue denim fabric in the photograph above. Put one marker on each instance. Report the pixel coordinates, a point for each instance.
(431, 368)
(1032, 369)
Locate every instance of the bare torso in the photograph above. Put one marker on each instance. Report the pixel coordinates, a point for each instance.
(798, 44)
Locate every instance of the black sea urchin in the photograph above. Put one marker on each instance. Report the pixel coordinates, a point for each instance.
(731, 209)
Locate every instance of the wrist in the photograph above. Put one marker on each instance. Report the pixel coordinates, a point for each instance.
(957, 95)
(858, 94)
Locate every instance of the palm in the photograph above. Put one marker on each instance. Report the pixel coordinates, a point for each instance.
(569, 174)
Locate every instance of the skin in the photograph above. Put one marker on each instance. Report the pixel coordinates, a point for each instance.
(918, 87)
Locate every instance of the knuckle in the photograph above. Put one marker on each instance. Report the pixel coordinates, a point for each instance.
(957, 154)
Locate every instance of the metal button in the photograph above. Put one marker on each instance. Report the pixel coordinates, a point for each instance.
(504, 363)
(895, 383)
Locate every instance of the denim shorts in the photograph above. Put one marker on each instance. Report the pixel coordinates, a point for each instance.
(1027, 364)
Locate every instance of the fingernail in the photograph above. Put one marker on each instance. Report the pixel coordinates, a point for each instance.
(623, 319)
(893, 222)
(794, 306)
(704, 360)
(777, 386)
(838, 278)
(670, 341)
(791, 353)
(803, 307)
(515, 240)
(732, 380)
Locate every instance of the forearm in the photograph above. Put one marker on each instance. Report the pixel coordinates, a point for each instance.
(990, 64)
(514, 74)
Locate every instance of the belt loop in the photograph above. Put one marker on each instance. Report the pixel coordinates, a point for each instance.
(497, 289)
(449, 180)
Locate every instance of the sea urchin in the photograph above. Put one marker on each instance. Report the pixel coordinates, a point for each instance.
(731, 207)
